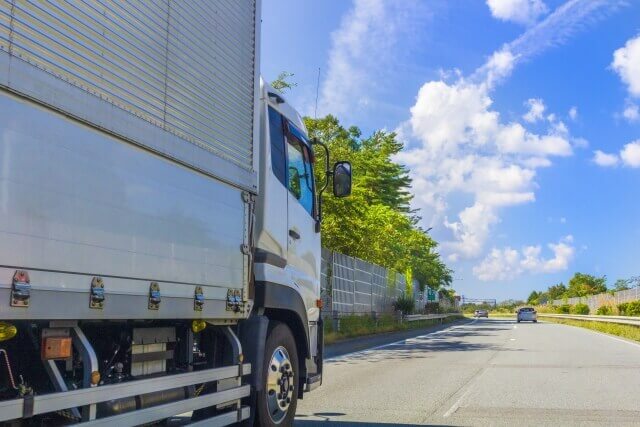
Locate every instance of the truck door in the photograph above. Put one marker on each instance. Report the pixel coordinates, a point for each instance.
(303, 251)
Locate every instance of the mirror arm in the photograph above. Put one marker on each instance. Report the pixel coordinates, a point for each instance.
(327, 171)
(328, 174)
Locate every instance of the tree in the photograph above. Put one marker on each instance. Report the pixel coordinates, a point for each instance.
(282, 83)
(621, 285)
(582, 285)
(376, 222)
(556, 291)
(533, 298)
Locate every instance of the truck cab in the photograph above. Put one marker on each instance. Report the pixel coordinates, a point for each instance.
(288, 245)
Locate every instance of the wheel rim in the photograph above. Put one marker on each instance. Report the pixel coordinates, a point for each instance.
(280, 385)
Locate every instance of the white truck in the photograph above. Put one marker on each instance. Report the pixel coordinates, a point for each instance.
(159, 219)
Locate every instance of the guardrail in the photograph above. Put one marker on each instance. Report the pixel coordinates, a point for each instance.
(414, 317)
(623, 320)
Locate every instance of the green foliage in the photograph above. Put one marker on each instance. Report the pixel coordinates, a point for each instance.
(405, 303)
(470, 308)
(433, 308)
(634, 308)
(629, 308)
(510, 305)
(621, 285)
(282, 83)
(622, 308)
(604, 310)
(564, 309)
(556, 291)
(580, 308)
(376, 223)
(547, 309)
(582, 285)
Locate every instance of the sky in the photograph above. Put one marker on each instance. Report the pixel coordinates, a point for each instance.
(520, 120)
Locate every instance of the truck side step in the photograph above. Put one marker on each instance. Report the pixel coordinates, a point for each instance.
(156, 413)
(12, 409)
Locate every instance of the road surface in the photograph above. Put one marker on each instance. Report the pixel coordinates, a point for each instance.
(486, 372)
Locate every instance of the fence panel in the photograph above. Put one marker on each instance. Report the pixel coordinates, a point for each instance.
(352, 285)
(380, 298)
(596, 301)
(325, 278)
(362, 286)
(343, 283)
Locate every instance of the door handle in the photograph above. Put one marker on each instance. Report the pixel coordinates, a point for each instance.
(294, 234)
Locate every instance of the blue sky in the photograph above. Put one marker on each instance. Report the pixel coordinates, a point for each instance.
(520, 120)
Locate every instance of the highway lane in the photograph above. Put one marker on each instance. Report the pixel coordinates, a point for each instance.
(486, 372)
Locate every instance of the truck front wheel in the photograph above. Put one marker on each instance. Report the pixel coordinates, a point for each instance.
(277, 401)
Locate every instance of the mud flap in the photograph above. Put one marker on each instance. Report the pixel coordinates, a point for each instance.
(253, 336)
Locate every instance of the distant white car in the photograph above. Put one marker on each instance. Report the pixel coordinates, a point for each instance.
(481, 313)
(527, 314)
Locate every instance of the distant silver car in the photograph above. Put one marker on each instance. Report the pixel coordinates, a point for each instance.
(481, 313)
(527, 314)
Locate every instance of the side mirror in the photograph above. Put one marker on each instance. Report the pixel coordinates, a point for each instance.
(342, 179)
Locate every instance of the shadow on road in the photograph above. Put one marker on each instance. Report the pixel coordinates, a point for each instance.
(424, 347)
(311, 423)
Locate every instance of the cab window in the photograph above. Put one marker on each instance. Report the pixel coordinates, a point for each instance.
(276, 135)
(299, 170)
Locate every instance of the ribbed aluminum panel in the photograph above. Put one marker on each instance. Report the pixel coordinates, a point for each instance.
(187, 67)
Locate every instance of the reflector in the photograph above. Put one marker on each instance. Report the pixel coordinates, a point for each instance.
(7, 331)
(56, 348)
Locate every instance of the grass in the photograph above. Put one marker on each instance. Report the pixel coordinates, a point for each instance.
(630, 332)
(358, 326)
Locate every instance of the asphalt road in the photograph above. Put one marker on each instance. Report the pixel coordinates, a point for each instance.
(487, 372)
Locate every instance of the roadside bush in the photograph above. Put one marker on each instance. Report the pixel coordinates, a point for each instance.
(605, 310)
(622, 308)
(633, 309)
(564, 309)
(432, 308)
(580, 308)
(547, 308)
(405, 304)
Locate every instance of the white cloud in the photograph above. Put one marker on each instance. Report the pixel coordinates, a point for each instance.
(626, 62)
(605, 159)
(520, 11)
(631, 113)
(630, 154)
(561, 25)
(573, 113)
(362, 47)
(459, 144)
(508, 263)
(536, 110)
(499, 66)
(466, 162)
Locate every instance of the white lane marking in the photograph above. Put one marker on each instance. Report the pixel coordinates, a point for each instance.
(515, 326)
(458, 402)
(451, 328)
(512, 339)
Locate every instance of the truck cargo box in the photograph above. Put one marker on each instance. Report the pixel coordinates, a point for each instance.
(127, 157)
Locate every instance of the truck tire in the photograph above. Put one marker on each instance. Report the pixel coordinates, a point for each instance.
(277, 401)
